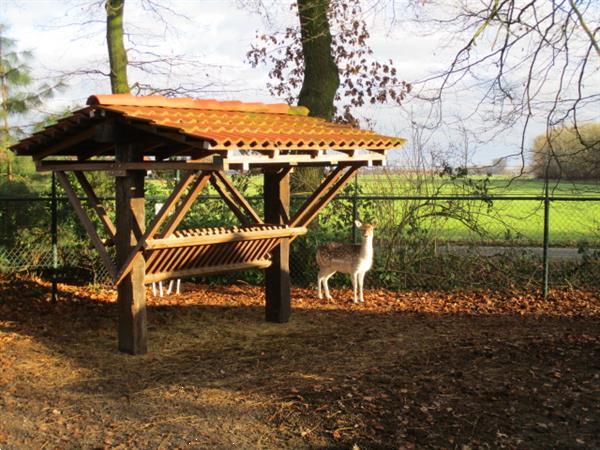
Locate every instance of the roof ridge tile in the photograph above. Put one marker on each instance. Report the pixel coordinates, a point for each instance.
(159, 101)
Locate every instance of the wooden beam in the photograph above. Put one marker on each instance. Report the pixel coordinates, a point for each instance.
(64, 143)
(186, 241)
(329, 181)
(96, 204)
(235, 201)
(239, 198)
(131, 291)
(172, 134)
(161, 276)
(86, 222)
(157, 222)
(277, 276)
(182, 210)
(44, 166)
(311, 208)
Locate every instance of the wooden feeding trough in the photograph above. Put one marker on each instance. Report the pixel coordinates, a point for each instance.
(127, 136)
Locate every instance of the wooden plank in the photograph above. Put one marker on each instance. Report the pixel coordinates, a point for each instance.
(114, 166)
(210, 270)
(131, 291)
(173, 242)
(240, 199)
(96, 204)
(157, 222)
(87, 223)
(67, 142)
(277, 275)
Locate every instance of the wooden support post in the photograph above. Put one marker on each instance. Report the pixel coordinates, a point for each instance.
(131, 292)
(277, 276)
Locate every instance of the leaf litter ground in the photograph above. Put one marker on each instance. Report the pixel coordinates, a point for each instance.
(459, 370)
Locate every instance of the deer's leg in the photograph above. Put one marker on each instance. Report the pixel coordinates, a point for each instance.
(178, 286)
(170, 288)
(361, 282)
(354, 286)
(154, 288)
(160, 288)
(319, 281)
(326, 284)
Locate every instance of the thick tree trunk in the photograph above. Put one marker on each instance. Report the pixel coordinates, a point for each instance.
(116, 49)
(321, 77)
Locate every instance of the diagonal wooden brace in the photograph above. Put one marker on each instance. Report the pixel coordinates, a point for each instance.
(96, 204)
(323, 195)
(87, 223)
(160, 218)
(189, 200)
(234, 199)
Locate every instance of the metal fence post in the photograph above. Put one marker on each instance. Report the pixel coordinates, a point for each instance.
(546, 241)
(355, 209)
(54, 234)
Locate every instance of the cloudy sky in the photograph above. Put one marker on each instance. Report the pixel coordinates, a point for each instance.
(213, 37)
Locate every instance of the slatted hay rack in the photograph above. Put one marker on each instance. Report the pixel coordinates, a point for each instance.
(209, 251)
(127, 136)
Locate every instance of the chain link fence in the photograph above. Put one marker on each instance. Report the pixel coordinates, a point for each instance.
(441, 242)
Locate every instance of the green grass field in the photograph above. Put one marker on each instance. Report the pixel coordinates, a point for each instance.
(571, 222)
(514, 221)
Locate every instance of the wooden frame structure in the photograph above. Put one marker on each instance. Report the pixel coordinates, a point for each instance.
(127, 136)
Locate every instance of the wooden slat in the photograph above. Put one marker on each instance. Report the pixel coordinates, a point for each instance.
(206, 270)
(221, 238)
(87, 223)
(96, 204)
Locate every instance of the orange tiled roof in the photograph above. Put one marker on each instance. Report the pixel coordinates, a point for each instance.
(223, 125)
(233, 124)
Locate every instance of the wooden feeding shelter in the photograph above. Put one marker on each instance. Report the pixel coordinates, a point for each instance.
(127, 136)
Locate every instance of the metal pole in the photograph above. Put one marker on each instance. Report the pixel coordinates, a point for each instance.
(355, 209)
(546, 240)
(54, 235)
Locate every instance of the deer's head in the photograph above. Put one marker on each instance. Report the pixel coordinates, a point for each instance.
(366, 229)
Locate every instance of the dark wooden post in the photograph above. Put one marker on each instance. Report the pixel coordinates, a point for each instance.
(131, 292)
(277, 276)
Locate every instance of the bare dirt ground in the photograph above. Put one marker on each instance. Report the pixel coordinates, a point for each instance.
(405, 370)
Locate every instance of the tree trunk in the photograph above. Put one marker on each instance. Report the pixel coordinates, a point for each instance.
(116, 49)
(321, 77)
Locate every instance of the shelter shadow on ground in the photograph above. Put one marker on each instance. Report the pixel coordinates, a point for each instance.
(436, 370)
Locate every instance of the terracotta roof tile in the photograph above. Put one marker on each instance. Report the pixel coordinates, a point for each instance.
(245, 125)
(227, 125)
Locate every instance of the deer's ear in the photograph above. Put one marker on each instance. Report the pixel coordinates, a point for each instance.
(374, 223)
(357, 223)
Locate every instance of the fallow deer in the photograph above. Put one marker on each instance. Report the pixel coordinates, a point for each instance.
(354, 259)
